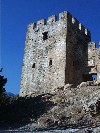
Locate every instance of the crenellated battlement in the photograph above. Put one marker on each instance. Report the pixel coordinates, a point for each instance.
(41, 23)
(79, 26)
(63, 16)
(92, 43)
(83, 29)
(52, 19)
(31, 26)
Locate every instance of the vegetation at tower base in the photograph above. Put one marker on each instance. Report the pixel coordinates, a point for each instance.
(67, 107)
(3, 81)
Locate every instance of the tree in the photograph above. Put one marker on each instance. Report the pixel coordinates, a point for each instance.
(3, 81)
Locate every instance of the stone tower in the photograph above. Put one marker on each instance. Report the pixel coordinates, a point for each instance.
(56, 53)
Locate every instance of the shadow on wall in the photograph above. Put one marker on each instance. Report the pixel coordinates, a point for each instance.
(23, 110)
(76, 54)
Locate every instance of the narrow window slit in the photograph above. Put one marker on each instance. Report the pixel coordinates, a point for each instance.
(50, 62)
(33, 66)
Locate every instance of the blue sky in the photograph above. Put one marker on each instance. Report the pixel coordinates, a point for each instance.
(17, 14)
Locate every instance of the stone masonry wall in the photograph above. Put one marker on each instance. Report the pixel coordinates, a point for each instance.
(55, 54)
(45, 44)
(76, 51)
(94, 60)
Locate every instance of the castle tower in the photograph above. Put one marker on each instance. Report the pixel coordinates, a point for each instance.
(55, 54)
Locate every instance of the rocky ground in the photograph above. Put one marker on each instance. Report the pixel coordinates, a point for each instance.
(67, 107)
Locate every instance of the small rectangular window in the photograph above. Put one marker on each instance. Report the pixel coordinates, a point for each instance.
(33, 66)
(45, 36)
(50, 62)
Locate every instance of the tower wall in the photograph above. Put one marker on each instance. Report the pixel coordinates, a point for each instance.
(46, 50)
(77, 41)
(55, 53)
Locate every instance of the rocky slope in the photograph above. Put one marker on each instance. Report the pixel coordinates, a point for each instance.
(67, 107)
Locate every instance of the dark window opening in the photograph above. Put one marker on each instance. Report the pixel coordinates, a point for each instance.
(89, 77)
(33, 66)
(50, 62)
(45, 36)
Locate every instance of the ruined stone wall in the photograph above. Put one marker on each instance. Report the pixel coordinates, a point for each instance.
(98, 63)
(94, 60)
